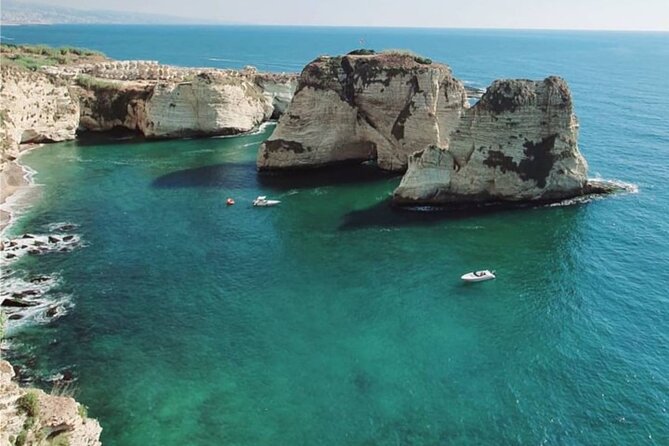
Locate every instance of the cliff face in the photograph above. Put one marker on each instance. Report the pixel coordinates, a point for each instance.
(110, 105)
(518, 143)
(365, 107)
(33, 108)
(278, 89)
(156, 100)
(36, 416)
(207, 105)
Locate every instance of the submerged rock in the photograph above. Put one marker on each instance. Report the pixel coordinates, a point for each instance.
(16, 302)
(518, 143)
(363, 107)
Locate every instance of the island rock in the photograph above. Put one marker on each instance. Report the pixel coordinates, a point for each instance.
(363, 107)
(518, 143)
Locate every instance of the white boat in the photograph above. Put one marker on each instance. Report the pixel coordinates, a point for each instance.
(263, 201)
(478, 276)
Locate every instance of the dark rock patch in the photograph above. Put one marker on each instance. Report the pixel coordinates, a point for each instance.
(276, 145)
(536, 165)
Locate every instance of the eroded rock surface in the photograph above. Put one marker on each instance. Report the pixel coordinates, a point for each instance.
(518, 143)
(33, 108)
(54, 416)
(365, 107)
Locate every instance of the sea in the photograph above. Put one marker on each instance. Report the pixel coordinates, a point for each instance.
(333, 319)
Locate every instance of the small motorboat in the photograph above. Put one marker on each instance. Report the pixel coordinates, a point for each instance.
(263, 201)
(478, 276)
(229, 201)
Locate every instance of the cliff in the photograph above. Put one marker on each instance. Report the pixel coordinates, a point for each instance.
(34, 108)
(518, 143)
(363, 107)
(161, 101)
(32, 417)
(54, 102)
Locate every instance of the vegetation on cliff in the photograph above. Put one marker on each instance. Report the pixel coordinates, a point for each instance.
(32, 57)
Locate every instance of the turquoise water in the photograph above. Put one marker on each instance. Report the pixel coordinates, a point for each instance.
(333, 320)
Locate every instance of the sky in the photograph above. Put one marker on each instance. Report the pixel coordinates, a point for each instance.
(542, 14)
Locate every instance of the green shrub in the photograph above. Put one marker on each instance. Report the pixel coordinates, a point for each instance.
(60, 440)
(94, 83)
(399, 52)
(83, 411)
(422, 60)
(28, 403)
(362, 52)
(21, 438)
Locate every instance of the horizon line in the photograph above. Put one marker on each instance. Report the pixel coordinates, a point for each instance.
(462, 28)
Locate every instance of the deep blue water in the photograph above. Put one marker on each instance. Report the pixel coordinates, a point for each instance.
(332, 320)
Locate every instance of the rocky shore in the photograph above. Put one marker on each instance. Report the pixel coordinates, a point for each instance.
(32, 417)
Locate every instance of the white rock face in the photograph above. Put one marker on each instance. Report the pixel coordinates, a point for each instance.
(215, 103)
(365, 107)
(518, 143)
(34, 107)
(56, 416)
(278, 89)
(207, 105)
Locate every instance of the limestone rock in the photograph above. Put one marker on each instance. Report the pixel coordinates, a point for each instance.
(278, 89)
(111, 105)
(56, 415)
(207, 105)
(355, 108)
(34, 107)
(518, 143)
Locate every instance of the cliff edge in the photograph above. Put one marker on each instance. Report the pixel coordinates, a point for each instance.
(32, 417)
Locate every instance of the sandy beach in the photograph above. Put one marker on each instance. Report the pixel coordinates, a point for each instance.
(16, 187)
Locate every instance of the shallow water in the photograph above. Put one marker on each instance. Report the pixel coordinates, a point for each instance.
(332, 319)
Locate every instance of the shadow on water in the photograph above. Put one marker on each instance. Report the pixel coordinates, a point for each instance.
(237, 175)
(383, 214)
(115, 136)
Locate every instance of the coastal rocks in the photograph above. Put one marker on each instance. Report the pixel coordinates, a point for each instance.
(207, 105)
(157, 101)
(518, 143)
(363, 107)
(52, 417)
(278, 89)
(12, 249)
(105, 106)
(34, 107)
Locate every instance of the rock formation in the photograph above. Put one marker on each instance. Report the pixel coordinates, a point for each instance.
(33, 108)
(362, 107)
(278, 89)
(518, 143)
(207, 105)
(105, 106)
(34, 417)
(158, 101)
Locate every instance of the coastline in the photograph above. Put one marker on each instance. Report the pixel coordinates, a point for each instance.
(17, 187)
